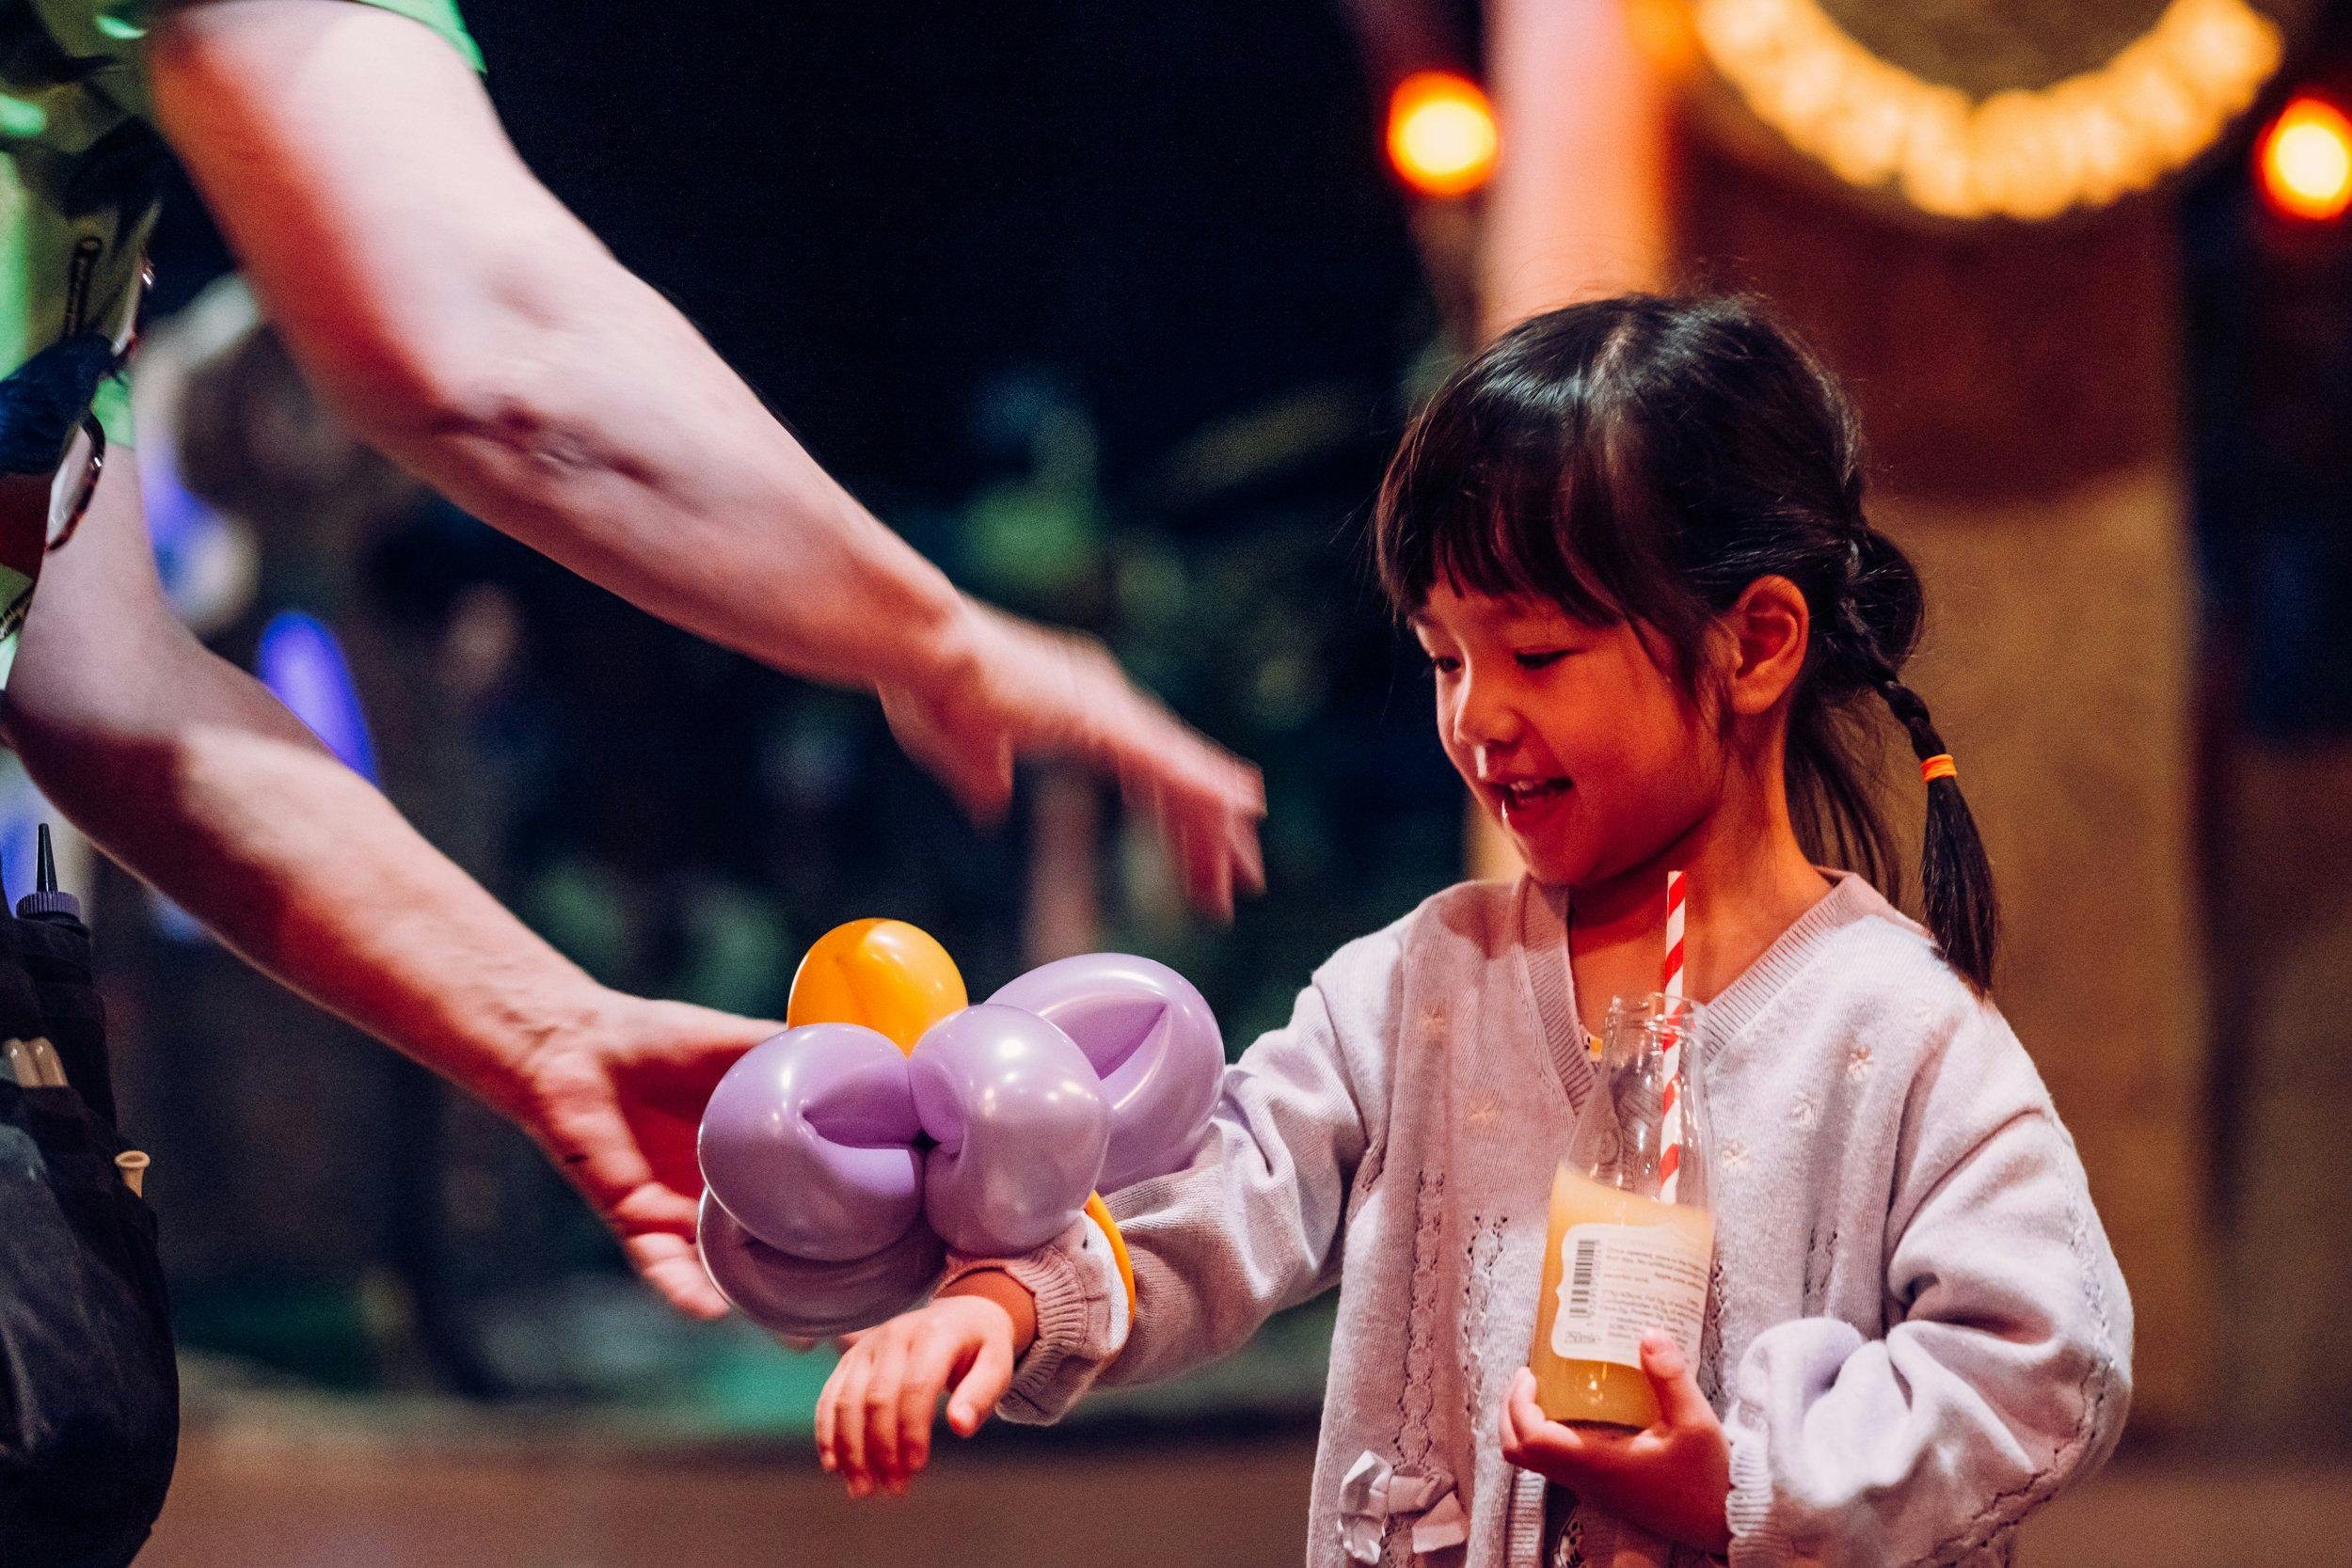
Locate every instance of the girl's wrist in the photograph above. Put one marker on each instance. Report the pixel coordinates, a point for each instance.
(997, 1286)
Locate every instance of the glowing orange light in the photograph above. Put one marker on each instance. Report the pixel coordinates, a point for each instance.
(2306, 161)
(1441, 133)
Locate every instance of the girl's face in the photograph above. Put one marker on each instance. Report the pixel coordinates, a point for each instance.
(1570, 736)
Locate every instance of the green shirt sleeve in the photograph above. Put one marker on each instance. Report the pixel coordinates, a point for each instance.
(91, 29)
(78, 159)
(62, 95)
(440, 15)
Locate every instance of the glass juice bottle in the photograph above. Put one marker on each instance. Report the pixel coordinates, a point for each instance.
(1631, 1240)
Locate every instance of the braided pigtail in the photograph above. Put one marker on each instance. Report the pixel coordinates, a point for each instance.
(1963, 913)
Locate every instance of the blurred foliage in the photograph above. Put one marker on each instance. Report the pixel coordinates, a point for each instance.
(1230, 579)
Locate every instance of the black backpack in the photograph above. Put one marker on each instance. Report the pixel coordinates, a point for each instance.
(89, 1393)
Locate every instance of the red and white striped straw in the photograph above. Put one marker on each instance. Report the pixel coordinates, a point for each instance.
(1678, 898)
(1670, 1118)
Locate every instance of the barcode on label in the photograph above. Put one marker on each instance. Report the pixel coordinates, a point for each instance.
(1581, 1278)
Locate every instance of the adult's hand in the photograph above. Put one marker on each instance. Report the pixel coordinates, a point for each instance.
(1013, 689)
(616, 1104)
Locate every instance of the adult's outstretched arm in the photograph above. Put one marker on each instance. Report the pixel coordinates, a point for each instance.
(188, 771)
(460, 319)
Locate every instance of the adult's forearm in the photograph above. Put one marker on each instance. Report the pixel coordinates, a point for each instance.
(459, 317)
(207, 788)
(630, 454)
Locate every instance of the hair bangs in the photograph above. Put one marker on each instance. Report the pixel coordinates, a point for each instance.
(1548, 525)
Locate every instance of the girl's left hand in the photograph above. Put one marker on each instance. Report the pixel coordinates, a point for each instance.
(1673, 1479)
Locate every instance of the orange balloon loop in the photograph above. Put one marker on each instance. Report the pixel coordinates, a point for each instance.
(894, 978)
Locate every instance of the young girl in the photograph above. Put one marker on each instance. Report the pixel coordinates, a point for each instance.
(1629, 537)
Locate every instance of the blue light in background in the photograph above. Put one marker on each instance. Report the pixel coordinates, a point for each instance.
(301, 662)
(22, 811)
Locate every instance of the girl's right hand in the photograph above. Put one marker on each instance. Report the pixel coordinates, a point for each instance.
(874, 1418)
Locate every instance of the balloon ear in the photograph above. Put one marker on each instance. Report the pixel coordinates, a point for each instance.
(886, 974)
(1021, 1129)
(1153, 1042)
(808, 1142)
(814, 1300)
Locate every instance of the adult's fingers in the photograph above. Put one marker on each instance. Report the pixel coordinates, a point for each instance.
(980, 780)
(674, 1268)
(1208, 874)
(592, 1144)
(1212, 843)
(577, 1121)
(972, 761)
(1249, 856)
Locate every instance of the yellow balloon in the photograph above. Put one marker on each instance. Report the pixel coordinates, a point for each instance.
(893, 978)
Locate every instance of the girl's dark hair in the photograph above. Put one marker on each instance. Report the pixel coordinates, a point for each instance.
(1645, 460)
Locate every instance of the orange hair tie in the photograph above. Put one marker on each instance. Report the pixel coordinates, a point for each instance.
(1936, 767)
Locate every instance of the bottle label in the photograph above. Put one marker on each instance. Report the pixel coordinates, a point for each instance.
(1618, 1282)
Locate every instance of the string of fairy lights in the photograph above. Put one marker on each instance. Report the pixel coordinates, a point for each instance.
(2029, 153)
(2149, 109)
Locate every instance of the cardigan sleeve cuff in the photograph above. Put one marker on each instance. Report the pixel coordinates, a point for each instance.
(1759, 1539)
(1082, 1320)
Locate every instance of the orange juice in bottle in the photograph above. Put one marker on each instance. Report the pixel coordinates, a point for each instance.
(1631, 1242)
